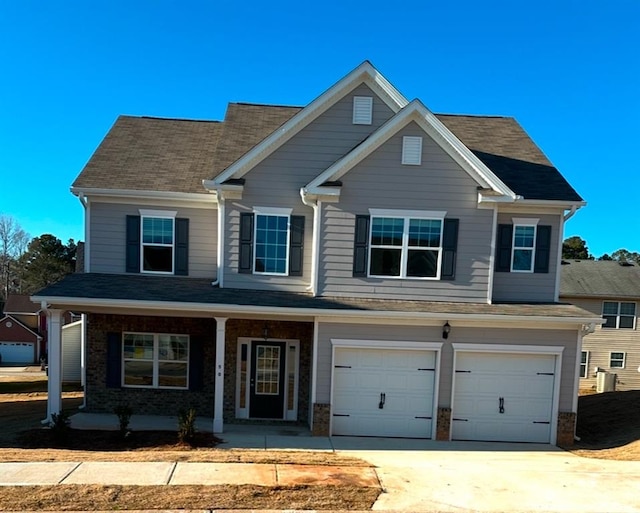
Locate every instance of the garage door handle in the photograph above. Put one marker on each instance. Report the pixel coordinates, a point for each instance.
(382, 399)
(501, 404)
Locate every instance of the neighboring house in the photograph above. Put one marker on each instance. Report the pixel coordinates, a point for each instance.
(23, 331)
(360, 265)
(612, 290)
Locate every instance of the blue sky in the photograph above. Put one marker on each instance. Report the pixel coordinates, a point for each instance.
(569, 71)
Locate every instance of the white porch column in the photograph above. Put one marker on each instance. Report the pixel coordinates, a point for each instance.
(54, 357)
(218, 403)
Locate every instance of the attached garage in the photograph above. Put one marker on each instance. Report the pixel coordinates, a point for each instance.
(18, 344)
(384, 391)
(506, 396)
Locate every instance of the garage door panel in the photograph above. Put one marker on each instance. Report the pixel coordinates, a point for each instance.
(522, 384)
(408, 392)
(17, 352)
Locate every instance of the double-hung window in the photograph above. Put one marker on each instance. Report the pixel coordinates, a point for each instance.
(584, 364)
(157, 244)
(619, 314)
(271, 241)
(524, 244)
(406, 244)
(617, 360)
(152, 360)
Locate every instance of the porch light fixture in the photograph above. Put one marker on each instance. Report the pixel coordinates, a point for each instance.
(445, 330)
(265, 331)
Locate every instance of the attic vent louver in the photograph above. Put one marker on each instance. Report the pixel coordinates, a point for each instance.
(412, 150)
(362, 110)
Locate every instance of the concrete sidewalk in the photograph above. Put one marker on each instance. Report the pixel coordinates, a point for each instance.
(182, 473)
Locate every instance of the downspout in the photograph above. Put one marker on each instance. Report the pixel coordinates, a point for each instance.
(563, 219)
(219, 278)
(87, 220)
(315, 205)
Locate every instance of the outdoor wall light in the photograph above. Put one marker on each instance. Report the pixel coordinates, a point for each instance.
(265, 331)
(446, 329)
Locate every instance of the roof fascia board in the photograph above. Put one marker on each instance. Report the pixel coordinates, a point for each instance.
(540, 206)
(365, 72)
(417, 112)
(221, 308)
(600, 297)
(139, 194)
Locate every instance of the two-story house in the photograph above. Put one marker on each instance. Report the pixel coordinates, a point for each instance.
(610, 289)
(359, 265)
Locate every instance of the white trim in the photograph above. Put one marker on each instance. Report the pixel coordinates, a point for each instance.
(392, 345)
(586, 363)
(221, 242)
(411, 150)
(364, 73)
(492, 255)
(414, 214)
(21, 325)
(417, 112)
(308, 313)
(362, 110)
(167, 214)
(272, 211)
(532, 248)
(87, 235)
(54, 358)
(218, 401)
(556, 351)
(525, 221)
(192, 197)
(556, 294)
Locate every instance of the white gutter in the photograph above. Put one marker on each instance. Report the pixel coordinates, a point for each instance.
(218, 282)
(222, 308)
(315, 205)
(84, 201)
(129, 193)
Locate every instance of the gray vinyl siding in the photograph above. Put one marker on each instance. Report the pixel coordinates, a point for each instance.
(108, 234)
(503, 336)
(381, 181)
(71, 352)
(276, 181)
(608, 340)
(534, 287)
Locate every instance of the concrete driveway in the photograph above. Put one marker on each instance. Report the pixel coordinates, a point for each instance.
(471, 476)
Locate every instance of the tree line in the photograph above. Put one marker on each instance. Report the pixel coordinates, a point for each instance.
(28, 264)
(575, 248)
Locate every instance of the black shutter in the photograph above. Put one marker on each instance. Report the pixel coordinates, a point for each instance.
(245, 262)
(543, 249)
(196, 363)
(114, 360)
(361, 246)
(503, 248)
(296, 245)
(449, 249)
(181, 264)
(133, 244)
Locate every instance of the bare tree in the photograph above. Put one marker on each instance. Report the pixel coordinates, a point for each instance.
(13, 244)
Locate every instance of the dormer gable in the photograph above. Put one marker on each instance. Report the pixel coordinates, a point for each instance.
(363, 74)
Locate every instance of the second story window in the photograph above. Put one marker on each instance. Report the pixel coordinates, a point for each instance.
(619, 314)
(271, 249)
(157, 244)
(524, 237)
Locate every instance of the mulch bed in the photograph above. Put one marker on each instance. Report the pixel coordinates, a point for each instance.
(98, 440)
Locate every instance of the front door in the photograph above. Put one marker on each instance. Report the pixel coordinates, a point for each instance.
(266, 387)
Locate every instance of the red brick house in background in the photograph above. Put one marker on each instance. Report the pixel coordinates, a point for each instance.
(23, 331)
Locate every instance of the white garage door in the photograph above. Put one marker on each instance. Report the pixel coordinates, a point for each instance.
(383, 392)
(16, 352)
(503, 397)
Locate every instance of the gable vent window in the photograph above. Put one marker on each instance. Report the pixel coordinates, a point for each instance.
(362, 110)
(412, 150)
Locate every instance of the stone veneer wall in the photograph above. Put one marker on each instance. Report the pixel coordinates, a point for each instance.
(321, 420)
(566, 428)
(443, 426)
(101, 399)
(236, 328)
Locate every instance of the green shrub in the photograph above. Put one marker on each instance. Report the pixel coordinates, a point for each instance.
(124, 412)
(60, 426)
(187, 425)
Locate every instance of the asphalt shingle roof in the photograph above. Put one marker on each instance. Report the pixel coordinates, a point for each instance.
(20, 304)
(200, 291)
(599, 278)
(175, 155)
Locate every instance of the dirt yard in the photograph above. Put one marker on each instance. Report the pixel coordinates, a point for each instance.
(23, 404)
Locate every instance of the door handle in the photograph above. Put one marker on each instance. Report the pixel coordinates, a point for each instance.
(383, 397)
(501, 404)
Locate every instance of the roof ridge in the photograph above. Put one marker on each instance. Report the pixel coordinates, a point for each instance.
(253, 104)
(164, 118)
(490, 116)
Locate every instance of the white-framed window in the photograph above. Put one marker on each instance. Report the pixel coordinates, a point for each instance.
(155, 360)
(619, 314)
(584, 364)
(523, 246)
(405, 244)
(617, 360)
(412, 150)
(362, 110)
(157, 241)
(271, 241)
